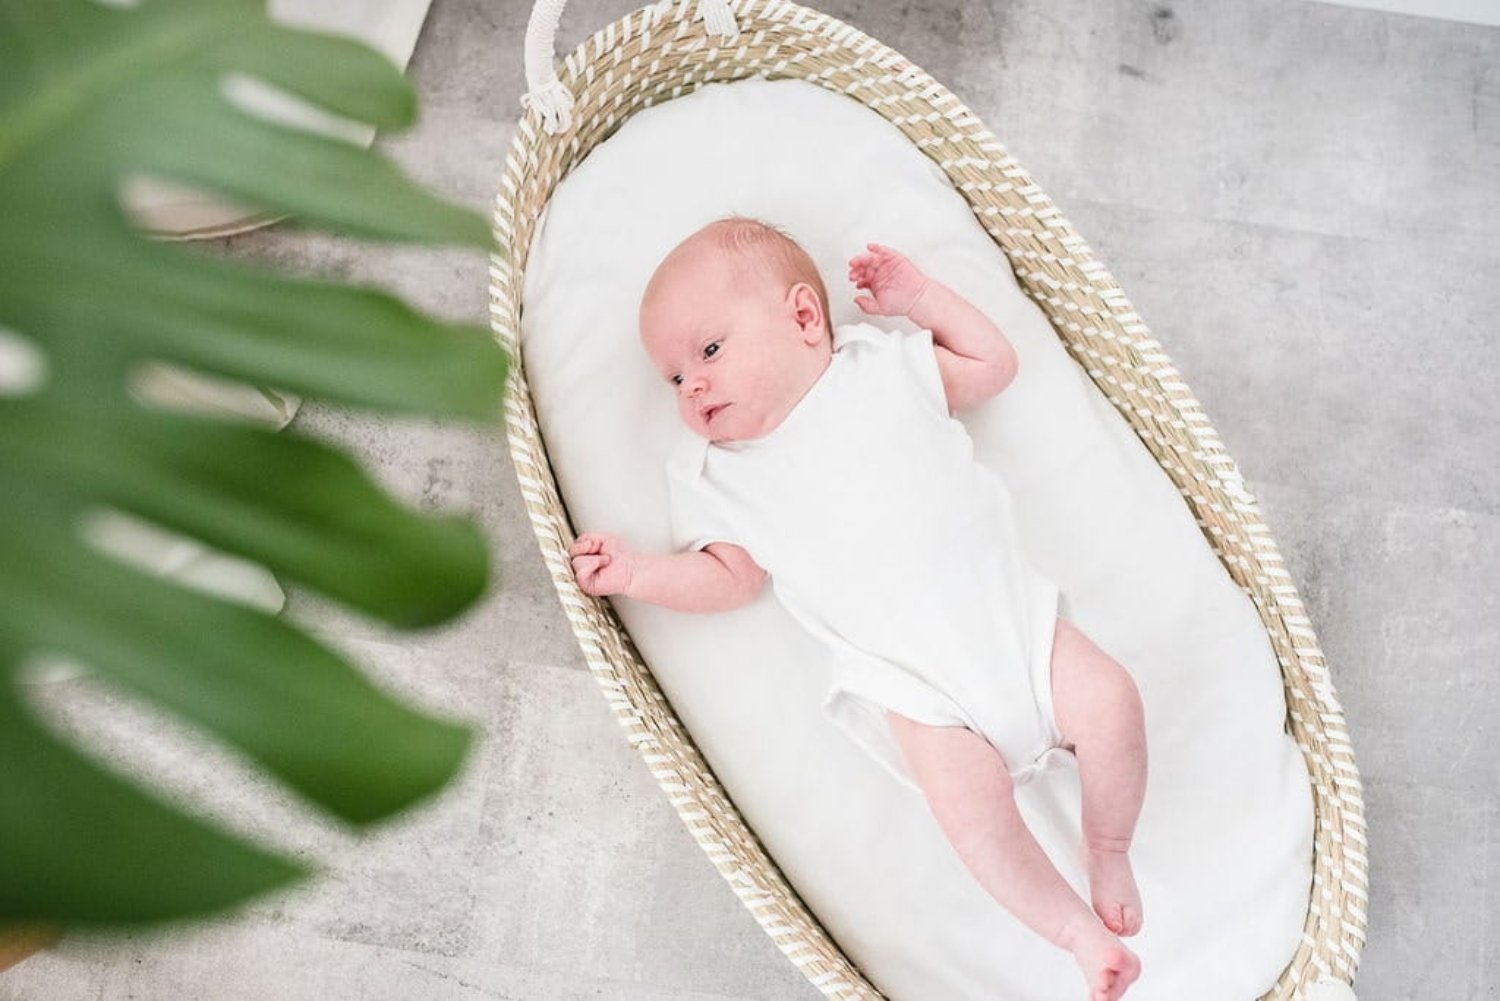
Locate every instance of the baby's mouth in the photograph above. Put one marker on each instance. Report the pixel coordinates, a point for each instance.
(713, 411)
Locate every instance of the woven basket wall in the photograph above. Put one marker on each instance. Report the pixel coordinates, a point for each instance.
(661, 52)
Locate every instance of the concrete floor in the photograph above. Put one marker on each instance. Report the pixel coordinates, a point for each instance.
(1302, 200)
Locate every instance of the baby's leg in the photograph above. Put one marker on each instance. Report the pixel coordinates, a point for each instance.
(969, 790)
(1099, 712)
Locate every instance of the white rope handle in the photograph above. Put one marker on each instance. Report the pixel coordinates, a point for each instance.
(549, 95)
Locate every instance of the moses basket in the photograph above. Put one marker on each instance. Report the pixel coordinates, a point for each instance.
(671, 48)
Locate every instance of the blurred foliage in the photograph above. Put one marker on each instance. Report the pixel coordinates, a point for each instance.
(90, 95)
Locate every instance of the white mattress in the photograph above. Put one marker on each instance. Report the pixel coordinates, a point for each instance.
(1224, 845)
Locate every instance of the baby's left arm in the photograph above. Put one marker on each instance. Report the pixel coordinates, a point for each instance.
(976, 360)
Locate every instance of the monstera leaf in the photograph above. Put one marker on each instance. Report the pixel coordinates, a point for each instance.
(90, 96)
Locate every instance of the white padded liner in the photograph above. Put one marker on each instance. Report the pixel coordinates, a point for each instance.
(1224, 845)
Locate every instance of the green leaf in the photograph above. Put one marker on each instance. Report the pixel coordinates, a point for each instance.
(90, 96)
(327, 526)
(80, 842)
(256, 681)
(226, 317)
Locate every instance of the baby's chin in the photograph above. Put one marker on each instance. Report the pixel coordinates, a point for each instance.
(720, 431)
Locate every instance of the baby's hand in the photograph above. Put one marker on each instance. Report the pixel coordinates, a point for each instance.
(894, 282)
(602, 563)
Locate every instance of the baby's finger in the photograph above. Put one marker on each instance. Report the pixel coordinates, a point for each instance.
(593, 542)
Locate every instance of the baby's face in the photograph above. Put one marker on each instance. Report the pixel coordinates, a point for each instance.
(738, 358)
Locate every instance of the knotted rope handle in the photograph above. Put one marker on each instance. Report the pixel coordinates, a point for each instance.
(548, 95)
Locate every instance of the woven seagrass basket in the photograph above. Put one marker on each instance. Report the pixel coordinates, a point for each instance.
(671, 48)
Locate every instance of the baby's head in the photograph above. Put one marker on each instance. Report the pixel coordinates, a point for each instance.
(735, 318)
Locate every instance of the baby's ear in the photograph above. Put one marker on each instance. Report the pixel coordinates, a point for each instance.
(807, 308)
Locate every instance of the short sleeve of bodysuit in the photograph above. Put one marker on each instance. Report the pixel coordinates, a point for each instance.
(696, 520)
(919, 357)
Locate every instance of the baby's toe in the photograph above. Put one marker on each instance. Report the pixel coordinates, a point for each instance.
(1122, 919)
(1112, 916)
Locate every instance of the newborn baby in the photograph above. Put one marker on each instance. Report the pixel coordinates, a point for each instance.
(828, 462)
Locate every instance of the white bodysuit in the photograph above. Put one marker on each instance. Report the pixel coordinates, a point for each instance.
(886, 539)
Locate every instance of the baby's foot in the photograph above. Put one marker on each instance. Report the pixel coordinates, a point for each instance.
(1112, 887)
(1107, 965)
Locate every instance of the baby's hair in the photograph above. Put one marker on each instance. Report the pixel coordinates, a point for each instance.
(772, 251)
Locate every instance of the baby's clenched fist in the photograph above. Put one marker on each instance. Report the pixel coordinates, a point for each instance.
(602, 563)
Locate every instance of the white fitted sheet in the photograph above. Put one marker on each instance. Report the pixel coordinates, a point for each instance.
(1097, 515)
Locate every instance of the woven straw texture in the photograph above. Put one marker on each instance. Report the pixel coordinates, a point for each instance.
(661, 52)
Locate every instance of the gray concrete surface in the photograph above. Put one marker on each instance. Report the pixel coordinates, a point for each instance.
(1302, 200)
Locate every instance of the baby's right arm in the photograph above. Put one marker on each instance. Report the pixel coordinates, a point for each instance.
(718, 578)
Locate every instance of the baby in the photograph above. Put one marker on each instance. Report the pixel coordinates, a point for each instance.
(828, 462)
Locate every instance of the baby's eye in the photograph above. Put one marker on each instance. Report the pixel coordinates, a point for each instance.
(676, 380)
(711, 350)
